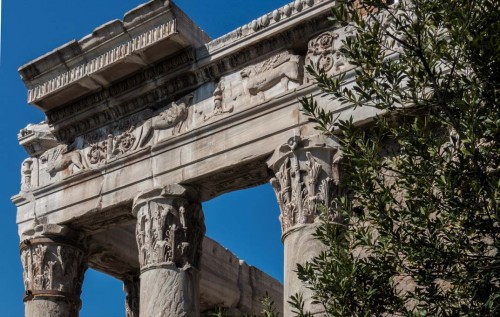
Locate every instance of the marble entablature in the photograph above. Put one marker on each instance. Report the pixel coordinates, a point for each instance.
(277, 74)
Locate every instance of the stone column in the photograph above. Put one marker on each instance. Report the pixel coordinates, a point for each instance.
(131, 287)
(169, 232)
(305, 176)
(54, 264)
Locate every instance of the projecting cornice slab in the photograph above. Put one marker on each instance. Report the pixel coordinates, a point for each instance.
(114, 50)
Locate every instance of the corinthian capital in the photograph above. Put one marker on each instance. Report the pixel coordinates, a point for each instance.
(306, 176)
(53, 263)
(170, 227)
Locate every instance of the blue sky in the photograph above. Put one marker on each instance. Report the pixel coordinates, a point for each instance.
(246, 222)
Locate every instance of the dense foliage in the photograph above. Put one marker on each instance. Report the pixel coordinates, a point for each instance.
(420, 231)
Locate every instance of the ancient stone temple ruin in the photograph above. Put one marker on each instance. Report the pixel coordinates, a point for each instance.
(146, 118)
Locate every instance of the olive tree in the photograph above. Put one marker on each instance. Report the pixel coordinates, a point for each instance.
(417, 230)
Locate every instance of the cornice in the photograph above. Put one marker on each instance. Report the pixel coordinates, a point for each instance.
(265, 23)
(103, 61)
(113, 51)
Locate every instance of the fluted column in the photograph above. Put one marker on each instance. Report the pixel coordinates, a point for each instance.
(306, 176)
(54, 264)
(169, 232)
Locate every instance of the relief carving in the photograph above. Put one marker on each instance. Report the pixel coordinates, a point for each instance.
(97, 152)
(174, 116)
(169, 231)
(62, 158)
(282, 68)
(122, 143)
(219, 103)
(324, 52)
(67, 130)
(304, 179)
(49, 266)
(113, 141)
(256, 83)
(26, 170)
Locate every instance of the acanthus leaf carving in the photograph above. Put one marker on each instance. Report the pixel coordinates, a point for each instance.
(54, 267)
(303, 181)
(169, 232)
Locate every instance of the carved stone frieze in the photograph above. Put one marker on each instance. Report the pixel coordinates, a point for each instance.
(204, 74)
(135, 132)
(324, 52)
(99, 114)
(54, 265)
(306, 176)
(108, 115)
(170, 228)
(69, 122)
(256, 83)
(110, 142)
